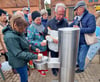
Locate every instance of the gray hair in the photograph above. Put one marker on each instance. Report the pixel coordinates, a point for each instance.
(19, 13)
(43, 11)
(59, 5)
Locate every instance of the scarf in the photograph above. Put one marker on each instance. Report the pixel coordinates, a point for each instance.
(39, 28)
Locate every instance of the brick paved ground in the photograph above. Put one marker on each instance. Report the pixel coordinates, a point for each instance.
(91, 74)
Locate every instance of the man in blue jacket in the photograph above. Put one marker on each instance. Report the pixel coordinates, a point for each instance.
(87, 24)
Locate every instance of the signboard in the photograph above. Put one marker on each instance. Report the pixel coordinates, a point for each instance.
(97, 7)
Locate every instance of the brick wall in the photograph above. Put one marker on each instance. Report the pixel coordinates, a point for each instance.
(14, 5)
(71, 3)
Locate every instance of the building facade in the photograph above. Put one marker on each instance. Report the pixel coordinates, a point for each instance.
(91, 4)
(12, 6)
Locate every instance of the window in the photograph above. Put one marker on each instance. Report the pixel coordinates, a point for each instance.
(90, 0)
(71, 13)
(95, 0)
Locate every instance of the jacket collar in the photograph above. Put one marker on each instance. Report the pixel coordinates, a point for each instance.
(85, 12)
(44, 19)
(57, 21)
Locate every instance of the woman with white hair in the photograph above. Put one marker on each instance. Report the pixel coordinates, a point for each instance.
(44, 15)
(19, 13)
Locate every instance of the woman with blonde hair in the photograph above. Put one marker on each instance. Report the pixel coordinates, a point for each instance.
(18, 47)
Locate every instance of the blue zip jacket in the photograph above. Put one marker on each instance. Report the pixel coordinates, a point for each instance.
(88, 25)
(55, 25)
(44, 21)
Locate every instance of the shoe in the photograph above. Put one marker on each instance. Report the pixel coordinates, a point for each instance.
(42, 73)
(79, 71)
(46, 70)
(54, 72)
(77, 65)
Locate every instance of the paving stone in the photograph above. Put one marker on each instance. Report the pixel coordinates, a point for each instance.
(91, 74)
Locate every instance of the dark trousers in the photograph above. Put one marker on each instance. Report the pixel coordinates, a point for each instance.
(54, 55)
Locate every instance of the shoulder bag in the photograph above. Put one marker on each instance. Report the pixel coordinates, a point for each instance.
(90, 38)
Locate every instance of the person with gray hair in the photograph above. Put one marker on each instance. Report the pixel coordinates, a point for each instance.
(19, 13)
(58, 21)
(43, 11)
(26, 12)
(80, 4)
(60, 5)
(87, 24)
(44, 15)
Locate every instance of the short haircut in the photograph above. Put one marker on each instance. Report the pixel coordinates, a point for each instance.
(2, 11)
(59, 5)
(43, 11)
(19, 13)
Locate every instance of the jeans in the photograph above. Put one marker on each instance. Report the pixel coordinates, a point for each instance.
(23, 73)
(82, 52)
(93, 50)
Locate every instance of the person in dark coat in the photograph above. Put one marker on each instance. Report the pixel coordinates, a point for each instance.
(87, 24)
(44, 18)
(58, 21)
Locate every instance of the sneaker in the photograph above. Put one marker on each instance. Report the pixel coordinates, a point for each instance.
(42, 73)
(46, 70)
(79, 71)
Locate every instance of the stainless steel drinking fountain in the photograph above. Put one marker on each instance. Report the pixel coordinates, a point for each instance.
(68, 49)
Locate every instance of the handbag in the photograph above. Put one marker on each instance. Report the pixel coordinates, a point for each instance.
(90, 38)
